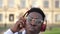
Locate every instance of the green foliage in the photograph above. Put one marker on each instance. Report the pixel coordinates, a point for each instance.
(53, 31)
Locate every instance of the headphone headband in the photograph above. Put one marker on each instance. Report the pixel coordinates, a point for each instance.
(25, 13)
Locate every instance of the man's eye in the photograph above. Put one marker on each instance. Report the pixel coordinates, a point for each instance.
(30, 20)
(39, 22)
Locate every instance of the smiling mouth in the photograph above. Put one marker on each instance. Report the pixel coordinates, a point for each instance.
(32, 29)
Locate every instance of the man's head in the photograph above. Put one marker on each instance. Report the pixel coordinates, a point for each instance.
(34, 20)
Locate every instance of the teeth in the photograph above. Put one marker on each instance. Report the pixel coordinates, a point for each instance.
(32, 28)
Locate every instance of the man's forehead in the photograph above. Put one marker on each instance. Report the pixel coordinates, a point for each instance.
(35, 15)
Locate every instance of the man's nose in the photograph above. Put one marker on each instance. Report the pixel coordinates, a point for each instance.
(33, 22)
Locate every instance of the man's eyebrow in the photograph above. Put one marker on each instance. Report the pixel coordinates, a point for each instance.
(35, 18)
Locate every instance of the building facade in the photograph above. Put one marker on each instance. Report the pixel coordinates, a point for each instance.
(11, 10)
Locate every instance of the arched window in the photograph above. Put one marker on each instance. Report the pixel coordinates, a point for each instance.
(11, 17)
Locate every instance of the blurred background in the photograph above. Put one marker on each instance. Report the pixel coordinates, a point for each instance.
(11, 10)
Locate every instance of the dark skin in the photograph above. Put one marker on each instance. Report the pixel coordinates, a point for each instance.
(30, 27)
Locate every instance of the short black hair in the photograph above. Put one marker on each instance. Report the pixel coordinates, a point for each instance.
(38, 10)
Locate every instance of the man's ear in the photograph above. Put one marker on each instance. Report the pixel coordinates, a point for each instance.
(45, 22)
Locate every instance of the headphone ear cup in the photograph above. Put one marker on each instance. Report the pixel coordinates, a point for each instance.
(43, 27)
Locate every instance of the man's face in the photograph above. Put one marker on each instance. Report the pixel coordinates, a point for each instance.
(33, 22)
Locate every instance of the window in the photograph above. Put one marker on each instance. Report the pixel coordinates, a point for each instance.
(57, 3)
(57, 17)
(1, 17)
(11, 3)
(1, 2)
(46, 3)
(11, 17)
(22, 3)
(34, 2)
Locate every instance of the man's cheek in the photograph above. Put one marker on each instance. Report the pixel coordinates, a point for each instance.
(27, 27)
(38, 28)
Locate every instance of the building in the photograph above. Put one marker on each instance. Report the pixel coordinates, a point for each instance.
(10, 10)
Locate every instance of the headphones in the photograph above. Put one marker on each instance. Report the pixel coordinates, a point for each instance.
(43, 26)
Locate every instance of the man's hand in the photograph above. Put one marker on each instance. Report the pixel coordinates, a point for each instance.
(18, 25)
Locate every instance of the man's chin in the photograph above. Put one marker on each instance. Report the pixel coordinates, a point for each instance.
(31, 30)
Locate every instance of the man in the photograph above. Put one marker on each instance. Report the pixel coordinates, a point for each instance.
(32, 24)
